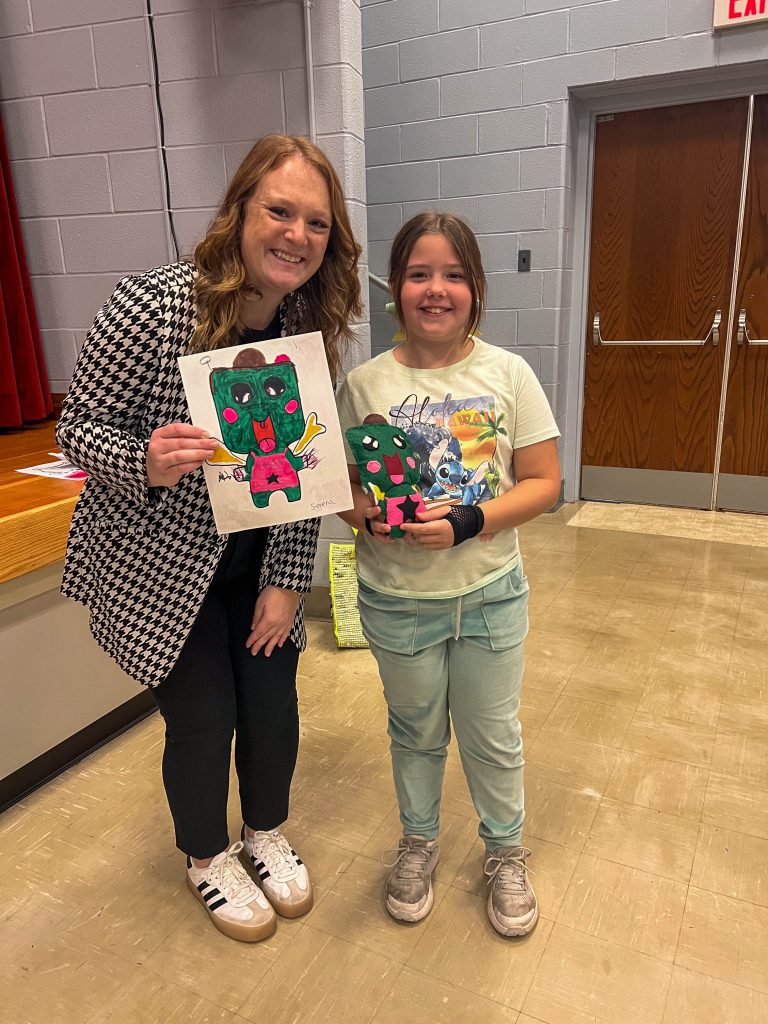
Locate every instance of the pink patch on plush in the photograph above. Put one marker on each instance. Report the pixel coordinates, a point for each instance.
(373, 466)
(292, 406)
(229, 415)
(411, 462)
(283, 359)
(267, 445)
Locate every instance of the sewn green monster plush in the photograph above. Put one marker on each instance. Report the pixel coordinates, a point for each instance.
(388, 470)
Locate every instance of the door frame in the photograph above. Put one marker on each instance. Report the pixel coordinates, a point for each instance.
(586, 103)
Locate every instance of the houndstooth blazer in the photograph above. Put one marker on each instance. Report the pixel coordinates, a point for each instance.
(141, 559)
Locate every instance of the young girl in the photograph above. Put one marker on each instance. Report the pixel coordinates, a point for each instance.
(445, 608)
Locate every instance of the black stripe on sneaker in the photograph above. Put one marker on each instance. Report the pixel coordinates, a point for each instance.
(212, 892)
(262, 868)
(217, 904)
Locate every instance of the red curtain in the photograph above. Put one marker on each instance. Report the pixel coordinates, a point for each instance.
(24, 391)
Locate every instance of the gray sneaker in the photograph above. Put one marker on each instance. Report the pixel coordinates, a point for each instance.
(512, 907)
(409, 895)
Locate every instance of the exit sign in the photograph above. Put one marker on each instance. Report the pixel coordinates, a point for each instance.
(732, 13)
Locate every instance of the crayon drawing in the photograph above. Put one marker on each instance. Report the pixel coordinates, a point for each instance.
(271, 407)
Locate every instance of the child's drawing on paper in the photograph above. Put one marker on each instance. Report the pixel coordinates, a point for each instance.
(260, 414)
(277, 461)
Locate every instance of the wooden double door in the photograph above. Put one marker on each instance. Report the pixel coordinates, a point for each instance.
(676, 380)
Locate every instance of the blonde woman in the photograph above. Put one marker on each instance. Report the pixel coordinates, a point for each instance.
(212, 624)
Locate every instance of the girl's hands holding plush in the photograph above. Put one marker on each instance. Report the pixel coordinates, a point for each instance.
(445, 527)
(375, 525)
(433, 532)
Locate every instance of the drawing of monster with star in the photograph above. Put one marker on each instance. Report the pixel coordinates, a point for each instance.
(258, 406)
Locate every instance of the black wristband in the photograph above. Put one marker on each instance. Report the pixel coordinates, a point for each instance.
(466, 522)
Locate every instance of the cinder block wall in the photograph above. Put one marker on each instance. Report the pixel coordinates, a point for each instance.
(467, 108)
(79, 114)
(80, 121)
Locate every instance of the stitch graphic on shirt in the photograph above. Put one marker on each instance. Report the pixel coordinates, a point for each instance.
(455, 441)
(258, 405)
(452, 479)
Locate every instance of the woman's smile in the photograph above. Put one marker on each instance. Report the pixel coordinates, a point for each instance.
(286, 257)
(286, 227)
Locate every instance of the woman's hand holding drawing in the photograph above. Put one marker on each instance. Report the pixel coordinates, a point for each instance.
(175, 450)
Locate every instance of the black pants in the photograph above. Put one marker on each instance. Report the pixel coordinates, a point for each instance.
(216, 689)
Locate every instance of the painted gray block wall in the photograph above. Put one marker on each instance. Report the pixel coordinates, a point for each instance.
(469, 108)
(78, 109)
(80, 121)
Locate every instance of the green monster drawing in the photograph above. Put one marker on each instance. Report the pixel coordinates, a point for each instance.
(388, 470)
(258, 405)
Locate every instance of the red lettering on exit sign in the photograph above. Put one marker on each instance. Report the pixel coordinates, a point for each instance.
(732, 13)
(750, 7)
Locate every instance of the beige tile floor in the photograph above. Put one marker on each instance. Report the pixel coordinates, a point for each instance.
(645, 714)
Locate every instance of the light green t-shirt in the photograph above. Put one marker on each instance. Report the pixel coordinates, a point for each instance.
(464, 422)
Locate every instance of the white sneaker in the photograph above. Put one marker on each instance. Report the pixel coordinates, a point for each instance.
(281, 873)
(512, 907)
(236, 906)
(408, 892)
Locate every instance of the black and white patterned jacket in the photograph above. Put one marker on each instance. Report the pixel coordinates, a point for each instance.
(141, 560)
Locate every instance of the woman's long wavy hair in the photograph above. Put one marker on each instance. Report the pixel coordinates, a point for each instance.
(327, 302)
(463, 240)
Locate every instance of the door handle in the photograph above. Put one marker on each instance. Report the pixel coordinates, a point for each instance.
(713, 333)
(742, 334)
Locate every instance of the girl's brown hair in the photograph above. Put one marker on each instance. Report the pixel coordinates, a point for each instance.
(463, 240)
(327, 302)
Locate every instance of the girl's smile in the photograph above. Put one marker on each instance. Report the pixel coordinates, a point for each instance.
(436, 301)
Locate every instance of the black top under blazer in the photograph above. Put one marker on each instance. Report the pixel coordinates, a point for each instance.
(141, 558)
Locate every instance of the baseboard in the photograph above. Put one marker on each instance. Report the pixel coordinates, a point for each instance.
(54, 761)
